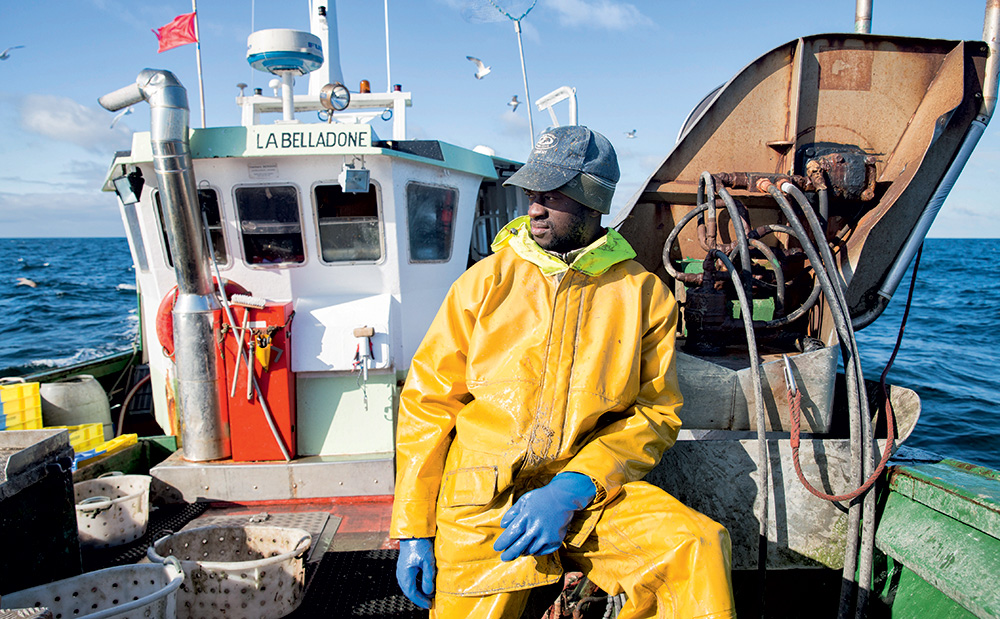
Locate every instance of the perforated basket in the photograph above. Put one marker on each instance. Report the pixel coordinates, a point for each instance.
(146, 591)
(112, 509)
(237, 572)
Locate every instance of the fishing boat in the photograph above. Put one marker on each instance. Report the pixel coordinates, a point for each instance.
(287, 270)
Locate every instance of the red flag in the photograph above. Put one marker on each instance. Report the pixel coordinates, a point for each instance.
(176, 33)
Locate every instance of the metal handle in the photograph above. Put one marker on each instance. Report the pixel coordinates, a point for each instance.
(175, 563)
(121, 98)
(95, 502)
(308, 542)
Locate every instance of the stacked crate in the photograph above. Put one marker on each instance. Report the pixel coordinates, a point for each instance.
(20, 406)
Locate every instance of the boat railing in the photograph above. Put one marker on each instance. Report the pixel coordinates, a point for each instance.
(363, 107)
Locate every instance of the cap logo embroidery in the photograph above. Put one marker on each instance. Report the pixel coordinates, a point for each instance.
(545, 142)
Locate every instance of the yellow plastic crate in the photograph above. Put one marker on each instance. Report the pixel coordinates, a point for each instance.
(84, 437)
(105, 449)
(20, 406)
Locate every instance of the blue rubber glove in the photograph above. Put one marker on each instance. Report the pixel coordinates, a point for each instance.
(537, 522)
(416, 562)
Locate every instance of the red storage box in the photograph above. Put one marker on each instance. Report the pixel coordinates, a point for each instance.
(252, 439)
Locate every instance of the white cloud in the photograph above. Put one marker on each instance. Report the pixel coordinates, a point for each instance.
(65, 120)
(606, 14)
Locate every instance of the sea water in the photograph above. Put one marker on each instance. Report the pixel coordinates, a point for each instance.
(84, 306)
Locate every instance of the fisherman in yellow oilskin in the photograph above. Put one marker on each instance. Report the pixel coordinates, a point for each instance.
(543, 392)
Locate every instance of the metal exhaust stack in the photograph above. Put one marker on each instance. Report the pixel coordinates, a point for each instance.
(204, 434)
(863, 17)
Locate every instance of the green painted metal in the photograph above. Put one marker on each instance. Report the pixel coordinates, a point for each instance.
(111, 365)
(226, 142)
(763, 309)
(963, 491)
(904, 595)
(960, 561)
(334, 419)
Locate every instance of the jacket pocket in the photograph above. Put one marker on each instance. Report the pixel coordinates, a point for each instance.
(476, 485)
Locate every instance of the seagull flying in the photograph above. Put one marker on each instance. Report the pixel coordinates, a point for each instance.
(481, 69)
(5, 54)
(630, 134)
(513, 103)
(24, 281)
(119, 115)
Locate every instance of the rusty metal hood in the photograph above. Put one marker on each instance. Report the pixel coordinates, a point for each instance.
(884, 115)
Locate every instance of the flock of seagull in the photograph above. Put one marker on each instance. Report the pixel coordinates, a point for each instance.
(482, 70)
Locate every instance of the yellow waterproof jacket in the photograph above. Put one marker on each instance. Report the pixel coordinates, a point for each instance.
(531, 367)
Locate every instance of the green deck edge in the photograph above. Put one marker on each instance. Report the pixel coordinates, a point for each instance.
(966, 492)
(955, 559)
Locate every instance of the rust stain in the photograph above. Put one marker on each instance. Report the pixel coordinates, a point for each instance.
(845, 69)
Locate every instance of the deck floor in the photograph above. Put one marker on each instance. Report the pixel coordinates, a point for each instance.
(350, 569)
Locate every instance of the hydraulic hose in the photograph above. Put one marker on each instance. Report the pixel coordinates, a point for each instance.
(706, 184)
(779, 276)
(763, 460)
(852, 391)
(813, 295)
(668, 245)
(741, 237)
(867, 436)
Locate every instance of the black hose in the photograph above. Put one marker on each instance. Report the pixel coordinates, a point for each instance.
(668, 245)
(852, 392)
(841, 313)
(763, 460)
(706, 182)
(813, 295)
(741, 238)
(128, 400)
(779, 276)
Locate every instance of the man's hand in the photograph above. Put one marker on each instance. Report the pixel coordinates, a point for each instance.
(416, 563)
(536, 524)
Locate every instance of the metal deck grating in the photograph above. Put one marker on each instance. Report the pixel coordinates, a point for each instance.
(162, 521)
(356, 584)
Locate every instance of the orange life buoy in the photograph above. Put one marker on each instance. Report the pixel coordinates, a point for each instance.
(165, 314)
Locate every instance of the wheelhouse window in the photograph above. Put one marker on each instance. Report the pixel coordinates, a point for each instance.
(349, 229)
(208, 201)
(430, 215)
(269, 224)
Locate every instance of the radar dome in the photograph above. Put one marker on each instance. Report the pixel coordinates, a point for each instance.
(281, 49)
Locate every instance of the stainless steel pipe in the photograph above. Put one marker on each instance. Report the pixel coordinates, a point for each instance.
(204, 433)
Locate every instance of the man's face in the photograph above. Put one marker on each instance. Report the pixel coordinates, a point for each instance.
(560, 224)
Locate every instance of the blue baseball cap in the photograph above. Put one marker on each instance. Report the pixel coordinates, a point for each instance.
(575, 161)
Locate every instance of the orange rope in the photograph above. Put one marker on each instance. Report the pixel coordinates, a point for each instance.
(795, 410)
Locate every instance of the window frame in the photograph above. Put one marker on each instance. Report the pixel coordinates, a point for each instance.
(239, 225)
(161, 222)
(409, 227)
(380, 214)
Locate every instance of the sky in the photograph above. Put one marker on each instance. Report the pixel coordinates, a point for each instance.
(637, 66)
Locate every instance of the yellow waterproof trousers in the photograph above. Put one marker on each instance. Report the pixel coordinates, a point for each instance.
(671, 561)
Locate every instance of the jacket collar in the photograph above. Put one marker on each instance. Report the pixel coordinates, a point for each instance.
(594, 259)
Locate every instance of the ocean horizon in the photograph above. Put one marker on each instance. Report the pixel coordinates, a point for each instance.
(84, 306)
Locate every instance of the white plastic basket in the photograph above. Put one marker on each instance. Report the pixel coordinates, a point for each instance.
(112, 509)
(238, 572)
(146, 591)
